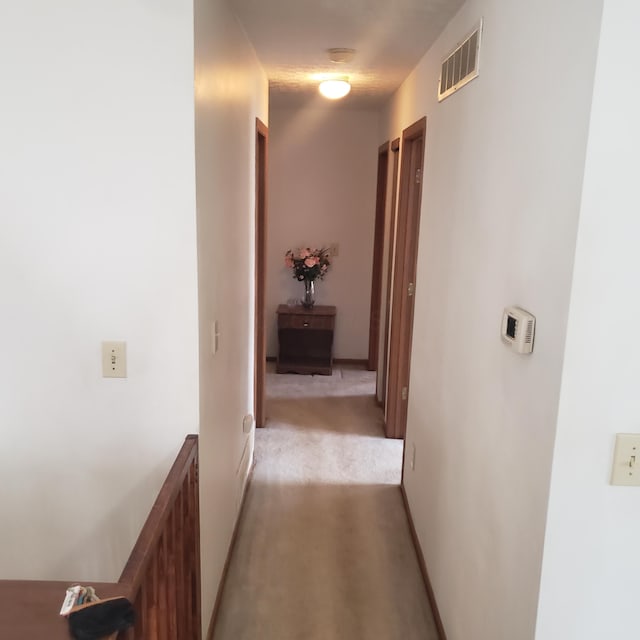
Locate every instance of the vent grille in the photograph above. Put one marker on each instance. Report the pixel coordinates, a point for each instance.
(528, 336)
(461, 66)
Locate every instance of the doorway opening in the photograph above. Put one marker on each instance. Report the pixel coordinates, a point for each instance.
(260, 355)
(383, 369)
(378, 251)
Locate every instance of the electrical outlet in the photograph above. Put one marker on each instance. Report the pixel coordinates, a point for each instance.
(114, 359)
(247, 423)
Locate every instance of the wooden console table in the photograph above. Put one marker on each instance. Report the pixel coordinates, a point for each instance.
(305, 338)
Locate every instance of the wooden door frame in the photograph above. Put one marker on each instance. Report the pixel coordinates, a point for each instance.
(383, 372)
(405, 268)
(378, 251)
(260, 353)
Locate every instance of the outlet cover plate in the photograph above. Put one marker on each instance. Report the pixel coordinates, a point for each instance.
(247, 423)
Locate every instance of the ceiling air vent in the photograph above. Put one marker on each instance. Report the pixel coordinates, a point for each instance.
(461, 65)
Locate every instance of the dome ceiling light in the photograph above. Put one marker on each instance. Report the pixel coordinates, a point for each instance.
(335, 88)
(339, 86)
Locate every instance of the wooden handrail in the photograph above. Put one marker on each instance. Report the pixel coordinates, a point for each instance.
(139, 558)
(163, 571)
(161, 577)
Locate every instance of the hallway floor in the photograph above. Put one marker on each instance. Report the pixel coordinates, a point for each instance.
(324, 550)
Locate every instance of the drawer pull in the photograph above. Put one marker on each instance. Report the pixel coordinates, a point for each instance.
(306, 324)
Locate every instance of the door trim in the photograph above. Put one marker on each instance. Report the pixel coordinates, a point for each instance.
(405, 271)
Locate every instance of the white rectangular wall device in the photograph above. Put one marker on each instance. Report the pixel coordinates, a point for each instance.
(518, 329)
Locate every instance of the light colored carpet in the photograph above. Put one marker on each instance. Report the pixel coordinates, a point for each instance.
(324, 550)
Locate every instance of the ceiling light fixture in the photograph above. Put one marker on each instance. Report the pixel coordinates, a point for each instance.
(335, 88)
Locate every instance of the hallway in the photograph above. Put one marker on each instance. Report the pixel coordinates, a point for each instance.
(324, 549)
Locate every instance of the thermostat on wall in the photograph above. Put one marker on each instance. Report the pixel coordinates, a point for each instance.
(518, 329)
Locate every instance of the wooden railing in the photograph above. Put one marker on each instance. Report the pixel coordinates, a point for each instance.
(163, 571)
(161, 577)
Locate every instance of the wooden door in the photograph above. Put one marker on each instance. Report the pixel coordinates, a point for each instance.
(260, 355)
(404, 278)
(378, 250)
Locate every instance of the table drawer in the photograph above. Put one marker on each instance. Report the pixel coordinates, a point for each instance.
(299, 321)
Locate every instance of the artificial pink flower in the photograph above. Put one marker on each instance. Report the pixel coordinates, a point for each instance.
(307, 263)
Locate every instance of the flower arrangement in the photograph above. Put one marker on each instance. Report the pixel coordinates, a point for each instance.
(308, 264)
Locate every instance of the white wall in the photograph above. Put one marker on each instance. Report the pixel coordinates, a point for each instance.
(231, 90)
(589, 583)
(501, 198)
(97, 242)
(322, 189)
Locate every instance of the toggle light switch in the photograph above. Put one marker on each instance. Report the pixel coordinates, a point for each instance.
(114, 359)
(626, 460)
(215, 338)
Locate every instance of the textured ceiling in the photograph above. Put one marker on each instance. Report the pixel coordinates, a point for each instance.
(291, 38)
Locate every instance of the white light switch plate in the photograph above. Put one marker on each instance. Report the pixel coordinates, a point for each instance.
(114, 359)
(626, 460)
